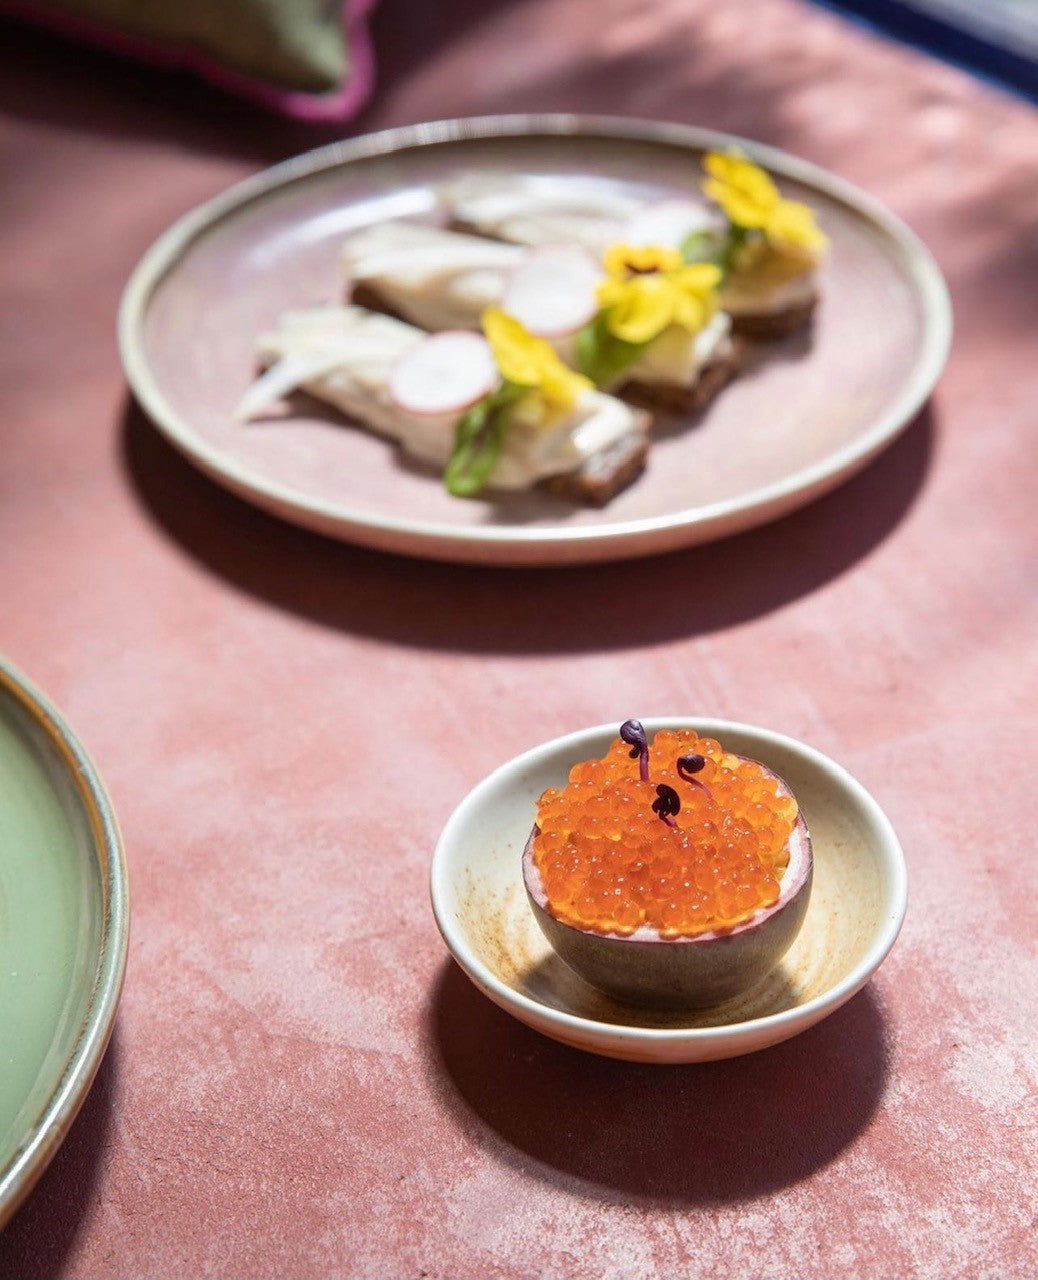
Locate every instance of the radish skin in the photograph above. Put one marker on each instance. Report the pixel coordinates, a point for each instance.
(552, 292)
(444, 373)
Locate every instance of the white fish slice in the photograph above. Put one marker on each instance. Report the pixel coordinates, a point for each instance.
(285, 376)
(434, 258)
(667, 222)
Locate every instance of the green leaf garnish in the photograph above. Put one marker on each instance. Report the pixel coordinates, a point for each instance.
(711, 246)
(733, 242)
(479, 440)
(601, 355)
(700, 246)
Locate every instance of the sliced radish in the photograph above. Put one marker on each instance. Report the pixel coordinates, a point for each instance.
(553, 291)
(444, 373)
(667, 222)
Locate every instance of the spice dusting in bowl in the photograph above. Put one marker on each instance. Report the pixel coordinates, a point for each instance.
(670, 874)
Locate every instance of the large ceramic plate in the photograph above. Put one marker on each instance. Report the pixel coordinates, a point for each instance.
(63, 932)
(808, 413)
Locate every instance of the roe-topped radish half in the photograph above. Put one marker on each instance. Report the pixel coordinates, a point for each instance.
(674, 873)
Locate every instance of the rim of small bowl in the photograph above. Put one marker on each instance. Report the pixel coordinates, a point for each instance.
(894, 885)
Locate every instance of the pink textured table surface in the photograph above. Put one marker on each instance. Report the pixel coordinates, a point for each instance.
(300, 1083)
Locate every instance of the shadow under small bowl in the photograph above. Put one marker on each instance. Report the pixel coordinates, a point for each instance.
(856, 909)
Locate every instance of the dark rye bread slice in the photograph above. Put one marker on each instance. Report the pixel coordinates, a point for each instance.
(469, 229)
(603, 476)
(668, 397)
(600, 477)
(767, 325)
(367, 296)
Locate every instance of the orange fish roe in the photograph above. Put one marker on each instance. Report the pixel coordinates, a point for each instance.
(610, 864)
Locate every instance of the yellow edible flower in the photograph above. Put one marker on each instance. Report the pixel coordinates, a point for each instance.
(530, 361)
(649, 288)
(751, 200)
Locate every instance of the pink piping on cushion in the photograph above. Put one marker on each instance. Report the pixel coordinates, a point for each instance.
(314, 107)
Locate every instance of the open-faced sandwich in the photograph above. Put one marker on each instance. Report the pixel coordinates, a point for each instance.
(495, 410)
(768, 248)
(568, 292)
(635, 319)
(678, 881)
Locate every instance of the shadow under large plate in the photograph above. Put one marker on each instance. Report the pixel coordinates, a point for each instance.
(624, 605)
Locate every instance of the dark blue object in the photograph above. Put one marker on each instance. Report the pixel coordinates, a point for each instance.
(995, 53)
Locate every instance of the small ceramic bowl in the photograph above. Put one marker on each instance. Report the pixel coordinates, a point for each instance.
(856, 910)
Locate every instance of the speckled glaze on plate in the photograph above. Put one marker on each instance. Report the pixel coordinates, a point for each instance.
(64, 923)
(807, 412)
(857, 906)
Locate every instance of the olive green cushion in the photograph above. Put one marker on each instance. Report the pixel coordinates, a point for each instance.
(308, 58)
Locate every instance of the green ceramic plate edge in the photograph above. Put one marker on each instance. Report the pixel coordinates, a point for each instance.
(72, 1080)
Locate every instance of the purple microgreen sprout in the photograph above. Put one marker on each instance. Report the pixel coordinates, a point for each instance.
(633, 733)
(667, 805)
(690, 764)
